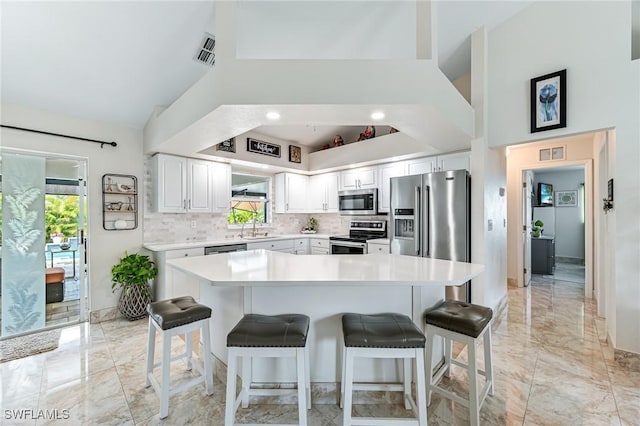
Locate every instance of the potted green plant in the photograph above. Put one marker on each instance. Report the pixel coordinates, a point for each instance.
(537, 228)
(311, 226)
(132, 275)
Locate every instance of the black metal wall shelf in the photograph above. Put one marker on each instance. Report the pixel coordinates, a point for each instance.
(119, 202)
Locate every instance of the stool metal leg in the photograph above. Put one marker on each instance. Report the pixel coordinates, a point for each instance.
(302, 386)
(166, 369)
(488, 364)
(230, 404)
(206, 357)
(151, 349)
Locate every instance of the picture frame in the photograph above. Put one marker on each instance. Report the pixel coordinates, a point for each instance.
(264, 148)
(227, 146)
(295, 154)
(549, 101)
(566, 198)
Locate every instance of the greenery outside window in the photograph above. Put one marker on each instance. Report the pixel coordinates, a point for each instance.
(249, 200)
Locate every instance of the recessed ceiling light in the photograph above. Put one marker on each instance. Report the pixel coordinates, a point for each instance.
(273, 115)
(377, 115)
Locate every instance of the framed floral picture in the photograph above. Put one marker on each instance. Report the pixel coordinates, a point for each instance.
(549, 101)
(566, 198)
(295, 154)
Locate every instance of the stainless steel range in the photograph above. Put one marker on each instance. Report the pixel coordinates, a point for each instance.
(359, 232)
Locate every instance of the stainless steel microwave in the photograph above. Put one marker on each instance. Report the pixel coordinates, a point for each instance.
(358, 202)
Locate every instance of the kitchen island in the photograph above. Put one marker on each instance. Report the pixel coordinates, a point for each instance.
(322, 287)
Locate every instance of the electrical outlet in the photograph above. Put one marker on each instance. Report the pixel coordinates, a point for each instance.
(193, 223)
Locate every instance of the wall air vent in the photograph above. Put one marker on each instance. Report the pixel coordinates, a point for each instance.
(206, 50)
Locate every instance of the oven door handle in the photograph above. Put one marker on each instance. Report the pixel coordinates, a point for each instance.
(347, 244)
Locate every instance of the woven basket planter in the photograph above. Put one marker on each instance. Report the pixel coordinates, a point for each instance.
(133, 306)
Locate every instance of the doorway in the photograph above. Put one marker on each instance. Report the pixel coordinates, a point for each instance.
(43, 231)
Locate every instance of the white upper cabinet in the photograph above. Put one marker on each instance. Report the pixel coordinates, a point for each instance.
(362, 178)
(291, 193)
(199, 189)
(323, 193)
(386, 172)
(440, 163)
(456, 161)
(221, 185)
(183, 185)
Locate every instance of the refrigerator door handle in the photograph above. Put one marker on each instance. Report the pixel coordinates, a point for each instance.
(427, 221)
(416, 221)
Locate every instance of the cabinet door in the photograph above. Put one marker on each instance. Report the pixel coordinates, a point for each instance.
(331, 190)
(317, 194)
(457, 161)
(296, 190)
(221, 183)
(179, 283)
(420, 166)
(170, 183)
(199, 186)
(349, 179)
(319, 250)
(301, 246)
(367, 177)
(388, 171)
(377, 248)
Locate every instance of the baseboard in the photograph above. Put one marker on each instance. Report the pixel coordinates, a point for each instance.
(101, 315)
(628, 360)
(570, 260)
(512, 283)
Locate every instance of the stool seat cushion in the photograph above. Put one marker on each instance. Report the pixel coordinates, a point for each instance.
(178, 311)
(387, 330)
(278, 331)
(459, 317)
(54, 275)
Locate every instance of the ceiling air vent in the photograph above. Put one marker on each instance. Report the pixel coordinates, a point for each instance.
(206, 51)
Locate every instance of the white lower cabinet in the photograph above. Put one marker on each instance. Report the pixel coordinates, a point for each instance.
(301, 245)
(319, 245)
(285, 246)
(380, 246)
(172, 283)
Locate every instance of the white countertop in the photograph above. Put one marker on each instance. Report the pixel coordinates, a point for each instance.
(225, 241)
(260, 268)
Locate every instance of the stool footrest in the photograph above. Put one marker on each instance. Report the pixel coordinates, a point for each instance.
(378, 387)
(382, 421)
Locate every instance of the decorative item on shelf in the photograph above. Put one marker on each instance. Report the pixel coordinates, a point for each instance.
(311, 226)
(361, 137)
(110, 187)
(130, 205)
(113, 206)
(338, 141)
(369, 132)
(132, 275)
(227, 146)
(549, 101)
(326, 146)
(124, 188)
(537, 228)
(120, 224)
(393, 130)
(295, 154)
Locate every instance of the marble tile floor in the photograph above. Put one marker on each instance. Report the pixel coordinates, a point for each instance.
(552, 367)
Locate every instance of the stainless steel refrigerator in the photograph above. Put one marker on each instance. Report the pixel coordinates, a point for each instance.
(430, 217)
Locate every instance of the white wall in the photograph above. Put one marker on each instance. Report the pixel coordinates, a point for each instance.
(104, 247)
(603, 88)
(326, 30)
(569, 220)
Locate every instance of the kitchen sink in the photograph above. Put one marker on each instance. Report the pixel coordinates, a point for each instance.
(258, 237)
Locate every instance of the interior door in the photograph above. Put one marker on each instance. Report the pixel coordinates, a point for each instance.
(527, 194)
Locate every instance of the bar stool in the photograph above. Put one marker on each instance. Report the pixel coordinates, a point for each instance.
(172, 317)
(465, 323)
(267, 336)
(386, 335)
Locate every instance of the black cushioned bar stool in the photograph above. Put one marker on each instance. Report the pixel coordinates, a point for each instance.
(267, 336)
(465, 323)
(172, 317)
(385, 335)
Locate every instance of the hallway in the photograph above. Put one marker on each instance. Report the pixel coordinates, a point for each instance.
(552, 367)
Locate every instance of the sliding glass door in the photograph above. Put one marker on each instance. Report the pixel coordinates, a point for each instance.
(43, 263)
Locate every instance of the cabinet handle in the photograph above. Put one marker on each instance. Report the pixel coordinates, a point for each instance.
(286, 206)
(189, 204)
(186, 254)
(185, 204)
